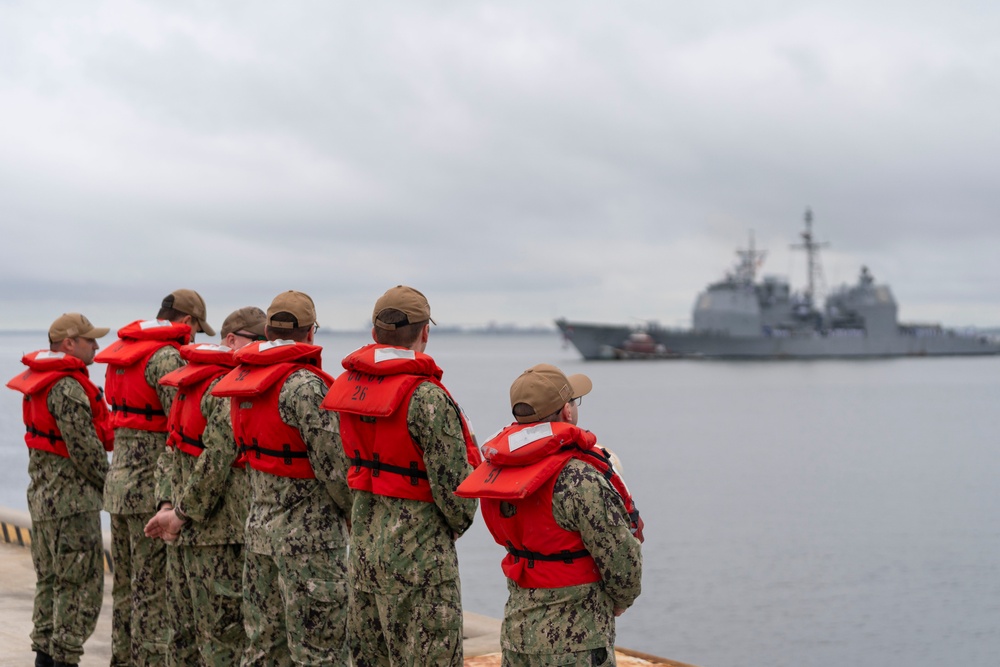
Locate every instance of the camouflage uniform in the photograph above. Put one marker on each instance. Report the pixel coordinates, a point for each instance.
(295, 581)
(135, 481)
(64, 499)
(575, 625)
(205, 563)
(406, 604)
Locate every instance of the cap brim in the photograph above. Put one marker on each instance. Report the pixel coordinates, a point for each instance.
(580, 384)
(204, 327)
(96, 332)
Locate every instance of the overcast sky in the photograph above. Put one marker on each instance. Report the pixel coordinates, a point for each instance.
(516, 161)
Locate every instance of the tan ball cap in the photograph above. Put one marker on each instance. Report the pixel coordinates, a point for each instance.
(406, 300)
(248, 318)
(297, 304)
(189, 302)
(71, 325)
(546, 389)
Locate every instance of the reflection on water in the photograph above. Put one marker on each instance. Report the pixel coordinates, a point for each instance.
(798, 513)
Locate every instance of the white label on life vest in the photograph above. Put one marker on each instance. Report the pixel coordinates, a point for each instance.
(271, 344)
(48, 354)
(214, 347)
(529, 435)
(154, 324)
(390, 353)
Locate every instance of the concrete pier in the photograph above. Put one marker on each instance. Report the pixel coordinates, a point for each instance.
(17, 594)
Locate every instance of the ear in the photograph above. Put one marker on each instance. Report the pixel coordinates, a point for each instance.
(230, 341)
(426, 333)
(373, 335)
(566, 414)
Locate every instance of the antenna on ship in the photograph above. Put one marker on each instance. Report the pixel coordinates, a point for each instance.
(750, 261)
(812, 254)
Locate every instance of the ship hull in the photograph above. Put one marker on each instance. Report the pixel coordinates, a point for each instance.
(601, 341)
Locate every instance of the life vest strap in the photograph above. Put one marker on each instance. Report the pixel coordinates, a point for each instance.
(608, 473)
(194, 442)
(378, 467)
(147, 411)
(564, 556)
(50, 436)
(285, 453)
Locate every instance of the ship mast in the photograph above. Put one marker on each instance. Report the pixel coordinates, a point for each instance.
(811, 247)
(750, 261)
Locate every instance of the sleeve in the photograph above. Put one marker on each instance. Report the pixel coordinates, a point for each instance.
(69, 405)
(584, 501)
(206, 484)
(435, 425)
(320, 430)
(163, 361)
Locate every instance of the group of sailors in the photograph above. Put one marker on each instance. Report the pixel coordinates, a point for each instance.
(265, 512)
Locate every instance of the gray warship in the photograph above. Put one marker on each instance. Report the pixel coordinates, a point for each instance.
(741, 317)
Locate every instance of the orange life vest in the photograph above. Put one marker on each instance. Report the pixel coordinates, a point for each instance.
(134, 403)
(45, 368)
(373, 396)
(186, 423)
(266, 442)
(522, 465)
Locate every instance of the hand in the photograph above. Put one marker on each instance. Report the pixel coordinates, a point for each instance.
(619, 612)
(153, 527)
(165, 525)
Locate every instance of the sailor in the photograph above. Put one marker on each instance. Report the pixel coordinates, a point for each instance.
(68, 432)
(145, 351)
(409, 446)
(203, 521)
(295, 579)
(552, 498)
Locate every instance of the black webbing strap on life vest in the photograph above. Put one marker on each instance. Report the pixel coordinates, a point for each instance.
(285, 453)
(194, 442)
(377, 467)
(563, 556)
(50, 436)
(608, 475)
(605, 459)
(147, 411)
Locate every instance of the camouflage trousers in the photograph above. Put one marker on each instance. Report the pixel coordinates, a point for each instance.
(205, 599)
(68, 555)
(295, 609)
(415, 626)
(138, 621)
(598, 657)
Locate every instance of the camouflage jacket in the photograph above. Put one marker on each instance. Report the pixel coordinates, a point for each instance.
(59, 486)
(579, 618)
(295, 516)
(399, 542)
(138, 476)
(206, 488)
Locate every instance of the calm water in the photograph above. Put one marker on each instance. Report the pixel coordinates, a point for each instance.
(798, 514)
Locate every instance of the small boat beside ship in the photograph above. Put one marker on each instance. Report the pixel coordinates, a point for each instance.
(741, 317)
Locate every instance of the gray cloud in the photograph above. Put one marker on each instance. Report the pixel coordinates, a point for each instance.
(515, 162)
